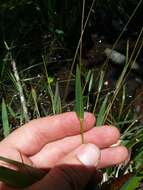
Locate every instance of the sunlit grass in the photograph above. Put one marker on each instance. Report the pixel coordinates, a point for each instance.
(79, 107)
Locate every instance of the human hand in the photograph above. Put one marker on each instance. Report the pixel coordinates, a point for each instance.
(54, 143)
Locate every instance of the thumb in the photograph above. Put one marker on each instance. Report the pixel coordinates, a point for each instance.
(73, 172)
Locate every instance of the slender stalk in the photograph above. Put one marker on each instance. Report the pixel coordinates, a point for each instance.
(20, 89)
(124, 74)
(80, 61)
(134, 53)
(34, 96)
(81, 131)
(18, 83)
(119, 82)
(77, 49)
(101, 80)
(82, 22)
(124, 29)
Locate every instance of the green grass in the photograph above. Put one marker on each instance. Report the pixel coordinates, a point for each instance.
(5, 121)
(26, 175)
(79, 106)
(45, 95)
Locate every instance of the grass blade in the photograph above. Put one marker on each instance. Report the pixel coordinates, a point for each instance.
(133, 183)
(5, 122)
(78, 96)
(100, 85)
(79, 107)
(122, 104)
(102, 112)
(87, 79)
(90, 83)
(34, 96)
(57, 100)
(25, 176)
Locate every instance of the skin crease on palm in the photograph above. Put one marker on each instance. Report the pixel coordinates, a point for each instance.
(52, 141)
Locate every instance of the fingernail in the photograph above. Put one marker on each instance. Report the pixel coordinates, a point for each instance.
(88, 154)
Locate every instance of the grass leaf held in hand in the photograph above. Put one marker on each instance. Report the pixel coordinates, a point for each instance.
(79, 107)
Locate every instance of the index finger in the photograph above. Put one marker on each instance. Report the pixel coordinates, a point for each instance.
(31, 137)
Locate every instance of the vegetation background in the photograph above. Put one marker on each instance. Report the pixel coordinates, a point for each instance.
(41, 43)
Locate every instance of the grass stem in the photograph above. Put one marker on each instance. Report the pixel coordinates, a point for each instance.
(81, 131)
(76, 52)
(20, 89)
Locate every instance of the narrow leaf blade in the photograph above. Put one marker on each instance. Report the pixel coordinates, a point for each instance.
(132, 183)
(102, 111)
(25, 176)
(79, 107)
(5, 122)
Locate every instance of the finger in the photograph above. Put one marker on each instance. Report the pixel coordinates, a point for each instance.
(109, 157)
(31, 137)
(51, 153)
(113, 156)
(13, 154)
(73, 172)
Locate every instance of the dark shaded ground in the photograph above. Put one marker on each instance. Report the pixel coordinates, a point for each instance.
(31, 32)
